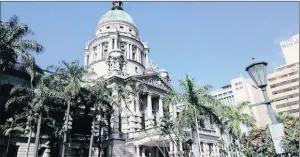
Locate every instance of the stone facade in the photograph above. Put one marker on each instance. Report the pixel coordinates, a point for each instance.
(117, 53)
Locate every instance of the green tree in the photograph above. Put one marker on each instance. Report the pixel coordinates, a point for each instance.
(197, 105)
(36, 100)
(70, 78)
(11, 126)
(233, 117)
(99, 98)
(15, 48)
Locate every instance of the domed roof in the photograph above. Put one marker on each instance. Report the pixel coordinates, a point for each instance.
(116, 15)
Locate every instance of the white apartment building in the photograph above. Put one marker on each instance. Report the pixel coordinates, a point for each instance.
(239, 90)
(242, 90)
(284, 82)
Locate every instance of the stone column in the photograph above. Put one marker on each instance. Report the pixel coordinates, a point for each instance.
(110, 44)
(143, 151)
(116, 43)
(100, 51)
(149, 114)
(137, 151)
(137, 100)
(127, 52)
(130, 51)
(160, 107)
(149, 105)
(137, 54)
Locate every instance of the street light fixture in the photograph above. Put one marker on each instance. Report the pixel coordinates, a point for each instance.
(257, 72)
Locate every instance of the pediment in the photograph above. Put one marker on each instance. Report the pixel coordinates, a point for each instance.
(154, 80)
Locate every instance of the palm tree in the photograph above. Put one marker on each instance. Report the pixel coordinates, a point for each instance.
(70, 78)
(35, 101)
(197, 105)
(232, 118)
(14, 48)
(99, 97)
(11, 126)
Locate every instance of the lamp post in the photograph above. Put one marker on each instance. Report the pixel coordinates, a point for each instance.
(257, 72)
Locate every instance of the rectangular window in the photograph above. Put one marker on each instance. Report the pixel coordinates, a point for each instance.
(285, 90)
(294, 73)
(287, 104)
(272, 79)
(284, 83)
(87, 59)
(133, 56)
(283, 76)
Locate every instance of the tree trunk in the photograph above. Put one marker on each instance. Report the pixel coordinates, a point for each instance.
(198, 134)
(100, 136)
(37, 135)
(92, 138)
(8, 143)
(28, 143)
(65, 130)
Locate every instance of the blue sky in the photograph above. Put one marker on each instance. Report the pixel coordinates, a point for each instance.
(211, 41)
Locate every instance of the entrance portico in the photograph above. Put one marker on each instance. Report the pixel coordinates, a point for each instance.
(152, 144)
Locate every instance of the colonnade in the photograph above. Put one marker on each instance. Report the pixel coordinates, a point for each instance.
(132, 52)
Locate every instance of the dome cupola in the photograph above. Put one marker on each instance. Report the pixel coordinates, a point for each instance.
(116, 14)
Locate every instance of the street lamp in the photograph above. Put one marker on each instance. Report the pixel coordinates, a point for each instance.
(257, 72)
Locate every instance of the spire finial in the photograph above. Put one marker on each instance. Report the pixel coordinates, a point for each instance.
(117, 5)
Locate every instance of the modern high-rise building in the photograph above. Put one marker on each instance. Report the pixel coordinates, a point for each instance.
(243, 90)
(290, 49)
(284, 83)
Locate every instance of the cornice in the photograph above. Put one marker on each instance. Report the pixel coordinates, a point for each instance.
(120, 36)
(117, 21)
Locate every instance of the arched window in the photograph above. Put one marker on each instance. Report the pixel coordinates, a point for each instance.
(105, 49)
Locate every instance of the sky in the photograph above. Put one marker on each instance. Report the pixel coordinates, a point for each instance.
(212, 42)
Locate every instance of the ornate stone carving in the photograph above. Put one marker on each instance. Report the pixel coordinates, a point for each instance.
(152, 68)
(155, 82)
(116, 63)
